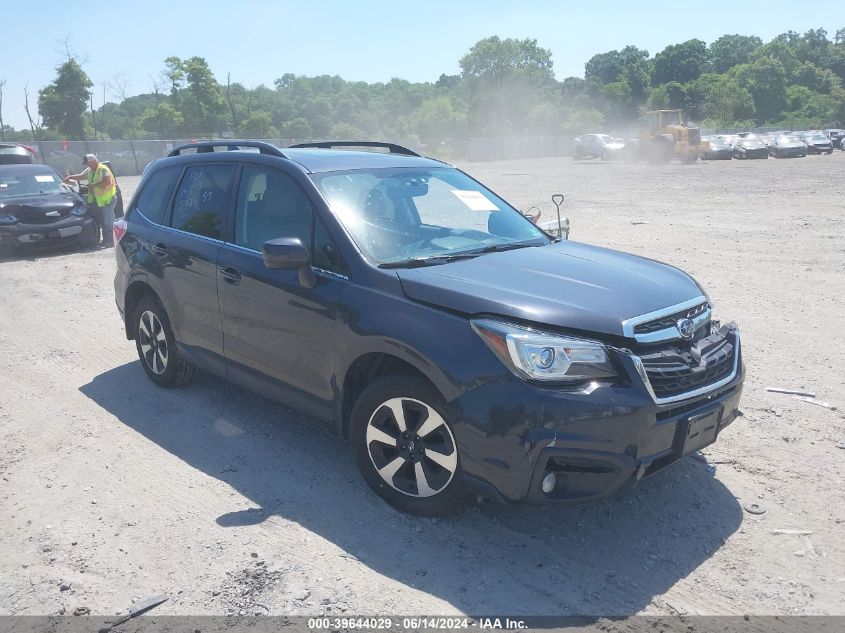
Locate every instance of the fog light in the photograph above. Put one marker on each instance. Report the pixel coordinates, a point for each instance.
(549, 482)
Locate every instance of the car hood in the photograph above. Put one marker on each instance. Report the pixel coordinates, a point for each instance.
(791, 145)
(568, 284)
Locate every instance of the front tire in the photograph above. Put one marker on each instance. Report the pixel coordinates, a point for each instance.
(405, 449)
(156, 346)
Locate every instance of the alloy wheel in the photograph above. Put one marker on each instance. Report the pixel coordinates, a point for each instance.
(411, 447)
(153, 342)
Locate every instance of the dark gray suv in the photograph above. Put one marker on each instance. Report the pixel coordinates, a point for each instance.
(456, 346)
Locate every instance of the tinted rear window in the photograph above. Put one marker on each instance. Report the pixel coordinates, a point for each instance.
(153, 199)
(202, 200)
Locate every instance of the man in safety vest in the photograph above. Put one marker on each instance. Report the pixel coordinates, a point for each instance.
(102, 192)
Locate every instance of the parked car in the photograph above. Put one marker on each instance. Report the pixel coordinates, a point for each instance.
(817, 143)
(750, 148)
(36, 207)
(14, 154)
(731, 139)
(590, 145)
(720, 149)
(455, 345)
(836, 136)
(788, 145)
(615, 149)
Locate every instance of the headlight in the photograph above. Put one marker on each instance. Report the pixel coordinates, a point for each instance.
(536, 355)
(79, 210)
(7, 218)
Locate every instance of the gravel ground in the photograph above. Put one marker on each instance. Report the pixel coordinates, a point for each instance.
(113, 490)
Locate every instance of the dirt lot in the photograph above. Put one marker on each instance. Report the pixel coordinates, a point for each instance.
(112, 490)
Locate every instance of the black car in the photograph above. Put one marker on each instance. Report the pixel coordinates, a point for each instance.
(818, 143)
(36, 207)
(456, 346)
(719, 149)
(835, 135)
(788, 145)
(750, 148)
(14, 154)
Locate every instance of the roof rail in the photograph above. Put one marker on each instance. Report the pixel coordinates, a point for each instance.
(393, 148)
(230, 145)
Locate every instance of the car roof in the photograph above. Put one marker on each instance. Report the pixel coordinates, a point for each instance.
(323, 160)
(25, 168)
(310, 160)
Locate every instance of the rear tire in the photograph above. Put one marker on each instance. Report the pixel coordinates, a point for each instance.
(156, 345)
(405, 449)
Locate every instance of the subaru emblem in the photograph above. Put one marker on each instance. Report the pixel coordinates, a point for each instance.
(686, 327)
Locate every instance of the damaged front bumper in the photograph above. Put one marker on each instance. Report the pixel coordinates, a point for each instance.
(596, 441)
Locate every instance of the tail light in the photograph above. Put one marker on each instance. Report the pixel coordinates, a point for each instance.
(119, 229)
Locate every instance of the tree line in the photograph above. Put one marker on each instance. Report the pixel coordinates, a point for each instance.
(505, 86)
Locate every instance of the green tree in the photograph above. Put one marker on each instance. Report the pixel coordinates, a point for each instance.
(505, 80)
(258, 124)
(298, 128)
(63, 103)
(806, 105)
(628, 70)
(765, 79)
(163, 120)
(206, 95)
(817, 79)
(582, 121)
(719, 98)
(731, 50)
(682, 63)
(439, 118)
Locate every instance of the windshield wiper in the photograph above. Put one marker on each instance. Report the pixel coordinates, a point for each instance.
(419, 262)
(498, 248)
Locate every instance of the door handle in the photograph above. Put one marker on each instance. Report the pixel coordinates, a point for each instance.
(159, 249)
(230, 275)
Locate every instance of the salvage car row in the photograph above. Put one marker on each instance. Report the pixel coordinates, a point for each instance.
(783, 144)
(778, 145)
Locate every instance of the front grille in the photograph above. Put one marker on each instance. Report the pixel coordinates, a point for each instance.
(674, 370)
(34, 215)
(669, 321)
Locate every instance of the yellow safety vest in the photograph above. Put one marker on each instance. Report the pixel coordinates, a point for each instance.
(95, 177)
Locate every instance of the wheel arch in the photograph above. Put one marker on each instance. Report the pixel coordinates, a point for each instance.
(136, 291)
(366, 368)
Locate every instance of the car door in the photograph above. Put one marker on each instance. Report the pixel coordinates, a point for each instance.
(187, 249)
(279, 336)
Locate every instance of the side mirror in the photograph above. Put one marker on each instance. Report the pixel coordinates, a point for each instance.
(288, 253)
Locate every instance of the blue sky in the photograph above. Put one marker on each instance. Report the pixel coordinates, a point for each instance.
(258, 41)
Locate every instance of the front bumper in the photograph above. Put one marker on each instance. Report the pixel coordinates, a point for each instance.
(819, 149)
(598, 440)
(21, 234)
(756, 153)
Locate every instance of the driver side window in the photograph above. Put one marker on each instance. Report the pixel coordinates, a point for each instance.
(270, 205)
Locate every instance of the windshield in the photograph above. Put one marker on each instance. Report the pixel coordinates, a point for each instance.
(400, 214)
(817, 137)
(790, 139)
(19, 185)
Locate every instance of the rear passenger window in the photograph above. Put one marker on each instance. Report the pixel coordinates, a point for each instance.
(153, 199)
(202, 200)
